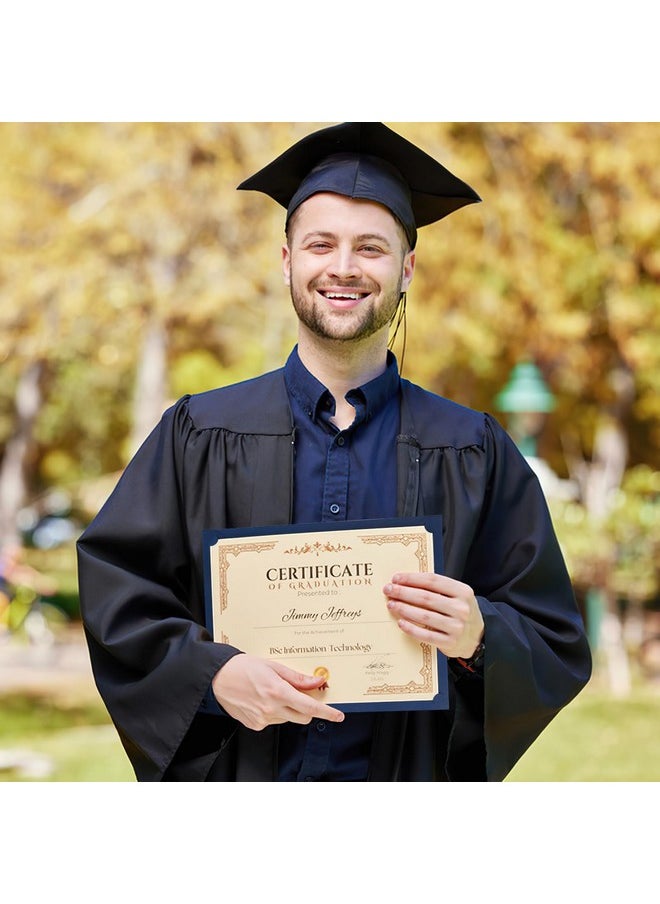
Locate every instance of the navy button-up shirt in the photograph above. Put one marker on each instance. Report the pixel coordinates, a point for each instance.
(340, 475)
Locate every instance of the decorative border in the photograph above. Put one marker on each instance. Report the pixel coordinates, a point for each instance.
(403, 539)
(425, 686)
(223, 566)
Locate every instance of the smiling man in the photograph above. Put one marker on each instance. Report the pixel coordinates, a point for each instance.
(335, 435)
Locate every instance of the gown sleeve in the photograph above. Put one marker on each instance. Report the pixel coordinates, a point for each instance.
(537, 656)
(143, 611)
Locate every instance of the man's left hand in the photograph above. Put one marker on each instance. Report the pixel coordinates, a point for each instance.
(436, 609)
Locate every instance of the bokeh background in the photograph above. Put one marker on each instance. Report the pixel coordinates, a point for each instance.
(132, 272)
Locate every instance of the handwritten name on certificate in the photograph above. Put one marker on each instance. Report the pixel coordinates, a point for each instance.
(314, 601)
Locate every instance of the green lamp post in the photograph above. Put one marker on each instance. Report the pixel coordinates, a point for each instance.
(527, 400)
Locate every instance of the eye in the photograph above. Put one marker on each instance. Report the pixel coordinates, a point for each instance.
(370, 250)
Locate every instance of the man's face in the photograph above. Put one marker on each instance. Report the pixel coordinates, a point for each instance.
(346, 263)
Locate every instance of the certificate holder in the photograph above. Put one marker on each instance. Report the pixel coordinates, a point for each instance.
(311, 596)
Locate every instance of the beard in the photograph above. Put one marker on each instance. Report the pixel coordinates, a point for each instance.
(357, 323)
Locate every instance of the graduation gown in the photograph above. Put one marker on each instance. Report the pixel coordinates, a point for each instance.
(225, 459)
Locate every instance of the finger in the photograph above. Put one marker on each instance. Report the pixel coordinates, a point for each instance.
(292, 706)
(434, 627)
(297, 679)
(307, 708)
(443, 616)
(301, 702)
(416, 578)
(438, 639)
(401, 600)
(303, 715)
(425, 618)
(400, 594)
(437, 583)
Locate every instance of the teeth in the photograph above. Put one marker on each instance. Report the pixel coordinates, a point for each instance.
(353, 296)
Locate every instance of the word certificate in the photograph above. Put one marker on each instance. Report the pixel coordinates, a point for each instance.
(311, 597)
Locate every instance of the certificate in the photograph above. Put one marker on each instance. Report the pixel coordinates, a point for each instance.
(311, 597)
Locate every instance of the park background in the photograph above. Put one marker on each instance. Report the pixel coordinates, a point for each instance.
(132, 271)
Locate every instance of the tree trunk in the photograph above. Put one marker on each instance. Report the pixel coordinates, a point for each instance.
(13, 470)
(150, 383)
(598, 482)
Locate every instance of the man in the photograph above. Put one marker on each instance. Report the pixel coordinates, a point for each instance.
(335, 435)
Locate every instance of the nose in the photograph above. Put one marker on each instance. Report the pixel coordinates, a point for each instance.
(344, 264)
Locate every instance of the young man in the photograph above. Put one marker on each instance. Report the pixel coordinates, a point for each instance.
(335, 435)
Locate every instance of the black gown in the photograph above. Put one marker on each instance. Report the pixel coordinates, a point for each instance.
(225, 459)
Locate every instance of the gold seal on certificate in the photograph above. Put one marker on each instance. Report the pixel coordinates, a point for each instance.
(311, 596)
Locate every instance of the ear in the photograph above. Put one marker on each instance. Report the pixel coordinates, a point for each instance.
(286, 265)
(408, 270)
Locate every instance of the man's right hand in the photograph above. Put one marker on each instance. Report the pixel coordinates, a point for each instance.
(258, 692)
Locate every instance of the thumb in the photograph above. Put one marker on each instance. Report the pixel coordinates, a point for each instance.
(298, 679)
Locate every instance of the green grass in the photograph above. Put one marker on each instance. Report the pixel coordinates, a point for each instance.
(597, 738)
(76, 739)
(27, 714)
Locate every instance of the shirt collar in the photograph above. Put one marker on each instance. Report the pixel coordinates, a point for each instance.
(314, 397)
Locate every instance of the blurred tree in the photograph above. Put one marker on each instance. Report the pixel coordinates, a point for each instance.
(560, 265)
(123, 247)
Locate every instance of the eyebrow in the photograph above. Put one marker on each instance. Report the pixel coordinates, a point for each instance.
(363, 237)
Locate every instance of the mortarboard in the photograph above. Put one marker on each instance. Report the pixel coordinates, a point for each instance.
(365, 160)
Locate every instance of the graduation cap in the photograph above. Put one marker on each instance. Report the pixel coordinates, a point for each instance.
(365, 160)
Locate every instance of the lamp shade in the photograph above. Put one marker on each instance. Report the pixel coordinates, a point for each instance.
(526, 391)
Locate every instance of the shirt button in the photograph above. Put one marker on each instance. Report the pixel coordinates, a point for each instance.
(340, 440)
(334, 508)
(320, 726)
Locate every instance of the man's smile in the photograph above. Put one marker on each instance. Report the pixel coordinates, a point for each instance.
(344, 297)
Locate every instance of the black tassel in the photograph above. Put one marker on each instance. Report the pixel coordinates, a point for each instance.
(398, 318)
